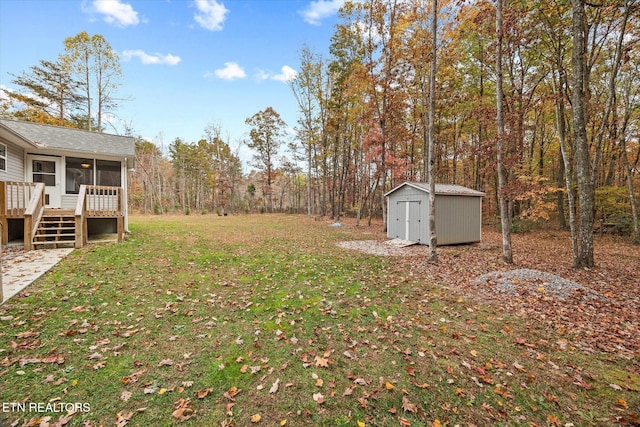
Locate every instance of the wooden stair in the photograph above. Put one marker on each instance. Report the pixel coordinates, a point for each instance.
(57, 229)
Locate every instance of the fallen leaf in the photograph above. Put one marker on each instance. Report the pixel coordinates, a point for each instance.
(123, 419)
(360, 381)
(125, 395)
(231, 393)
(553, 420)
(274, 386)
(256, 418)
(165, 362)
(133, 377)
(319, 398)
(201, 394)
(183, 412)
(408, 406)
(321, 362)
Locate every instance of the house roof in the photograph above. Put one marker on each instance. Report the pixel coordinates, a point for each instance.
(67, 139)
(441, 189)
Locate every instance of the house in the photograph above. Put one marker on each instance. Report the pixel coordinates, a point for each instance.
(60, 186)
(458, 213)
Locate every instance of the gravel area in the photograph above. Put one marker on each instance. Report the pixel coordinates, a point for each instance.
(528, 280)
(378, 247)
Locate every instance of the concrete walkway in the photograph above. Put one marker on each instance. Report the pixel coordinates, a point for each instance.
(20, 268)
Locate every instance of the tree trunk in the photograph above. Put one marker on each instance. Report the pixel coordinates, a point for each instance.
(433, 240)
(584, 258)
(505, 218)
(562, 136)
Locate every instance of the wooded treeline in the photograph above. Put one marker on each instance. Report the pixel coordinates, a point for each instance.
(363, 109)
(547, 93)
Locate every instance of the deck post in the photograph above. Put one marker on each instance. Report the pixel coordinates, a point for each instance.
(1, 291)
(81, 219)
(4, 229)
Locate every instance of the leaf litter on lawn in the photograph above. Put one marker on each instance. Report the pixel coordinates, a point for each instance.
(185, 304)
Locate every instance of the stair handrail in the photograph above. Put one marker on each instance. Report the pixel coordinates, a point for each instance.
(33, 215)
(80, 216)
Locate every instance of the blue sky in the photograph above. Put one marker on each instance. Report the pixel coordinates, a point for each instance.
(186, 63)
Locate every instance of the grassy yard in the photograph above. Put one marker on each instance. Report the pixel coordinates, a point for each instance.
(264, 320)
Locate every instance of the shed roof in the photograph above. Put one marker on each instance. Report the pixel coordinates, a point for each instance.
(441, 189)
(76, 140)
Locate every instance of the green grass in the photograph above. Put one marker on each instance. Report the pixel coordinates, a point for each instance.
(200, 302)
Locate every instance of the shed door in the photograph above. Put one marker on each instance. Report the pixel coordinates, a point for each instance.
(408, 219)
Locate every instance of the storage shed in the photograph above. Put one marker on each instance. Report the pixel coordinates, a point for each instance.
(458, 213)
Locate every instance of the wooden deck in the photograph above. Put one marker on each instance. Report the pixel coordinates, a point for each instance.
(45, 227)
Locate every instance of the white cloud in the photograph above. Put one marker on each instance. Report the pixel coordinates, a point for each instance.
(231, 71)
(286, 74)
(115, 12)
(147, 59)
(320, 9)
(210, 14)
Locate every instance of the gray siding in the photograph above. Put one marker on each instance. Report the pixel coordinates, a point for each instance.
(15, 163)
(69, 201)
(458, 219)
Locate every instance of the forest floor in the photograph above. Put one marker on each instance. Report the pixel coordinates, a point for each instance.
(280, 320)
(600, 306)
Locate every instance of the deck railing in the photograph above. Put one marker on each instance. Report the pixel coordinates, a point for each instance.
(15, 197)
(97, 201)
(103, 201)
(27, 200)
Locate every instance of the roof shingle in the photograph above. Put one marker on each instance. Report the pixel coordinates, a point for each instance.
(61, 138)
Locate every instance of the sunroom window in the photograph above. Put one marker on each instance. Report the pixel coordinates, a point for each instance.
(78, 172)
(108, 173)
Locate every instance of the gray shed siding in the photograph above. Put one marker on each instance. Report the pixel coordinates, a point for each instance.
(15, 163)
(458, 219)
(458, 216)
